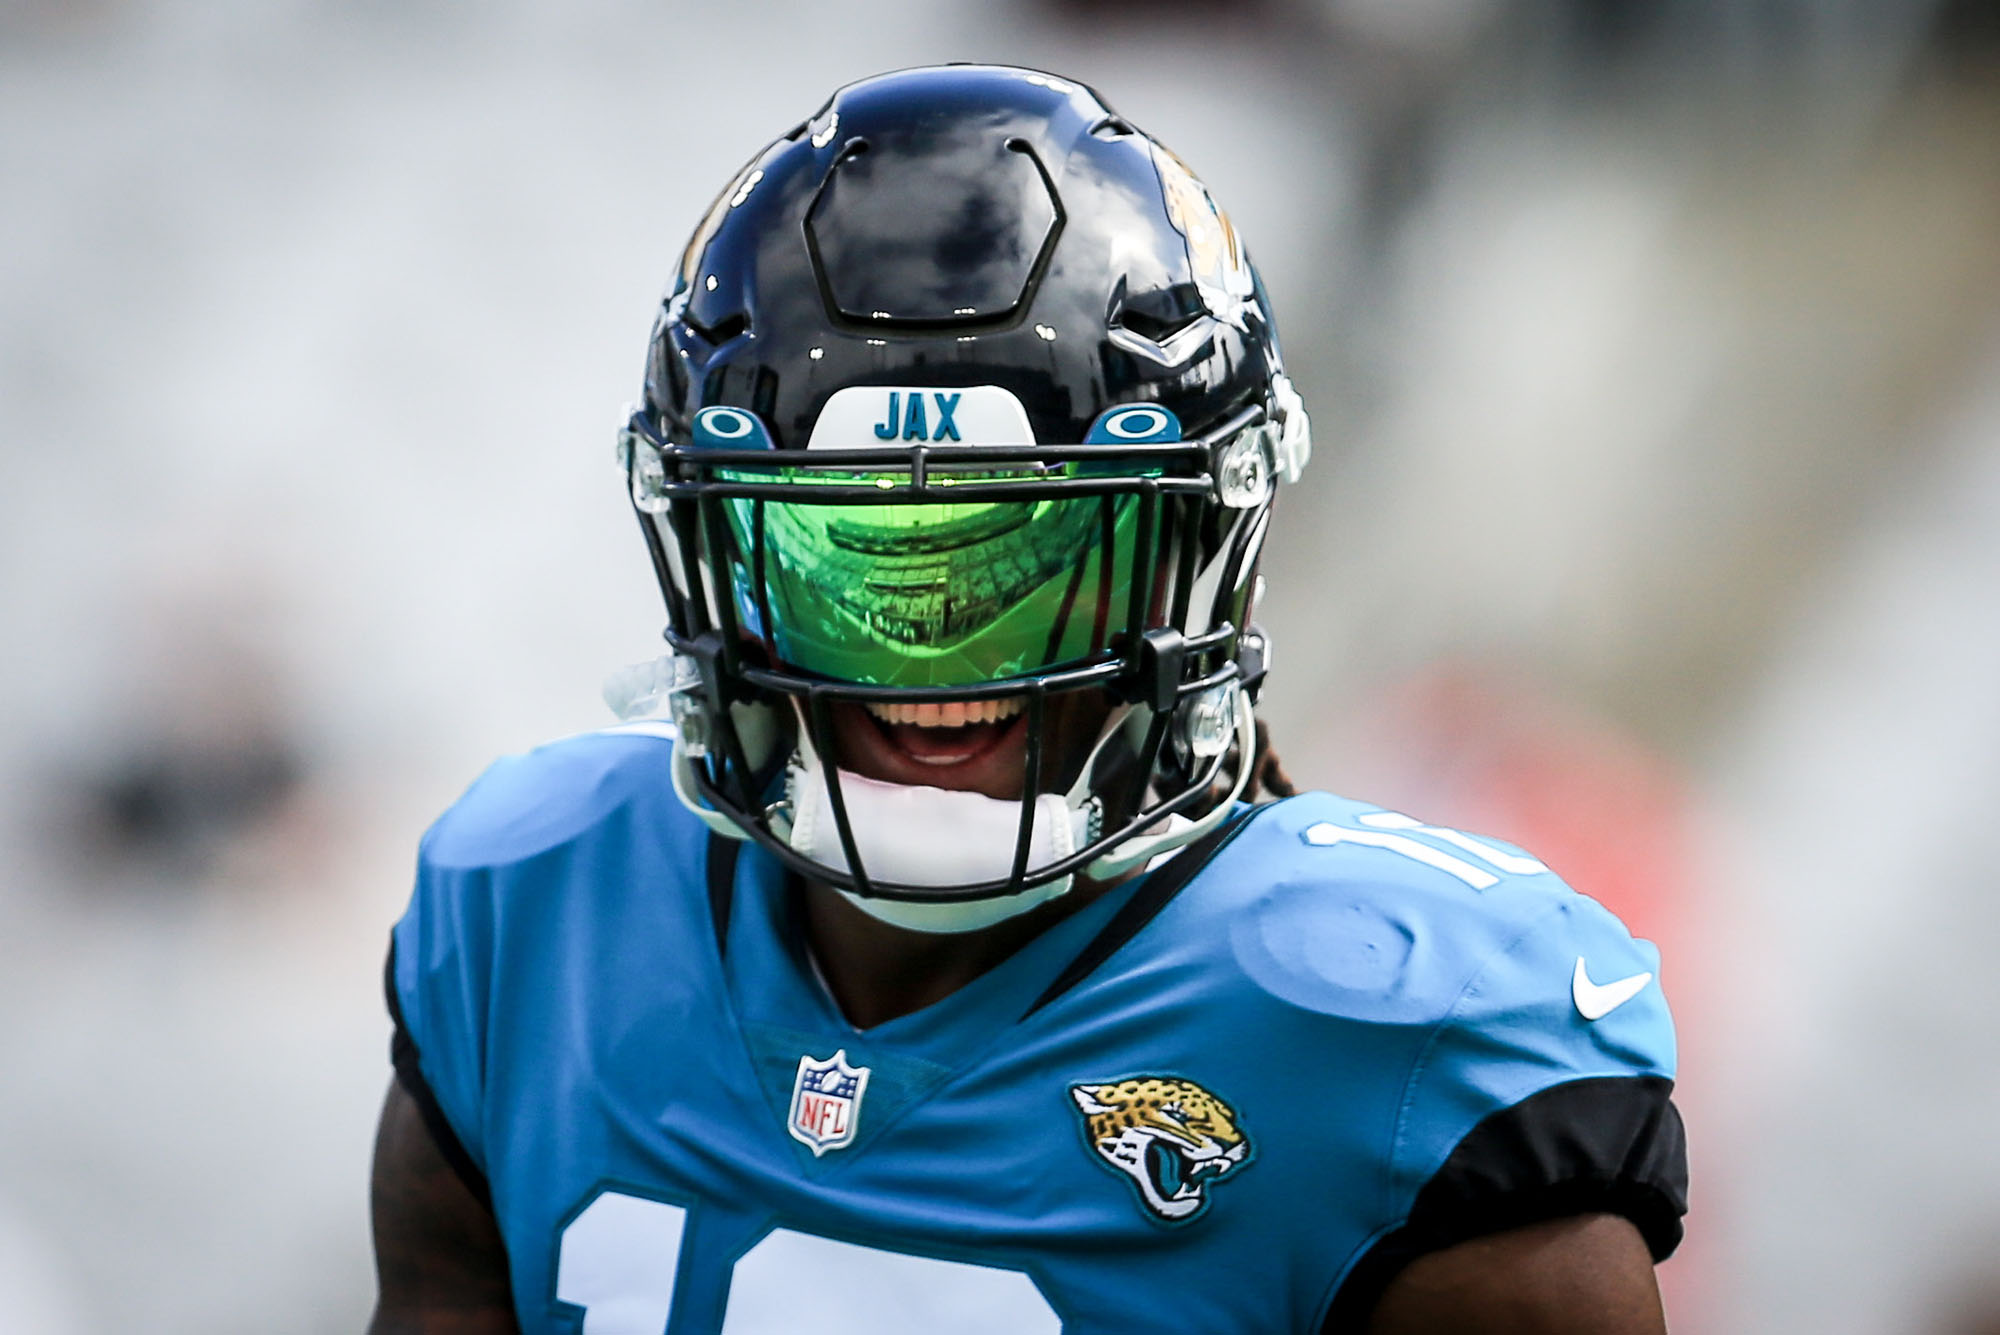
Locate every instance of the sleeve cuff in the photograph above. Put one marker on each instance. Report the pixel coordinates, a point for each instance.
(403, 1055)
(1605, 1145)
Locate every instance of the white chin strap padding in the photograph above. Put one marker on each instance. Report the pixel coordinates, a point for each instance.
(916, 835)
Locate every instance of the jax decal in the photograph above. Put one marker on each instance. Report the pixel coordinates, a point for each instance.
(872, 417)
(911, 420)
(826, 1102)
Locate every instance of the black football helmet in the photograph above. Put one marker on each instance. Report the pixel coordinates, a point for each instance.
(965, 394)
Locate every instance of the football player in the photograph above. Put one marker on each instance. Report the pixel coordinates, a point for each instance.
(932, 968)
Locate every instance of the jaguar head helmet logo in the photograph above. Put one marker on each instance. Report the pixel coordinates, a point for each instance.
(1170, 1137)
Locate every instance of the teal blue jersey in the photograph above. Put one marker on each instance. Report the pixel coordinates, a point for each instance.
(1234, 1095)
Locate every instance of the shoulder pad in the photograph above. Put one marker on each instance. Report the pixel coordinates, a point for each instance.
(528, 803)
(1369, 914)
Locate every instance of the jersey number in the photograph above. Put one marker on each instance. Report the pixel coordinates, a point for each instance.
(620, 1257)
(1391, 831)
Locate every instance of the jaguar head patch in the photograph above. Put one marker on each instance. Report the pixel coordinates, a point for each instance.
(1169, 1137)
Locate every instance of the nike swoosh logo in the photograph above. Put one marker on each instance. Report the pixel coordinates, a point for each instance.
(1594, 1001)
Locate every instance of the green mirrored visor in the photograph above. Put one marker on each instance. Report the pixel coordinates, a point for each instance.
(907, 593)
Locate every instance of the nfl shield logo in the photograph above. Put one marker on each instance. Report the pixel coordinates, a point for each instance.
(826, 1102)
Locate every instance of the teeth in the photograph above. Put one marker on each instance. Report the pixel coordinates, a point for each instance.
(956, 714)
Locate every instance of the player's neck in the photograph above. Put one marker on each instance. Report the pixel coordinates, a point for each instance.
(877, 972)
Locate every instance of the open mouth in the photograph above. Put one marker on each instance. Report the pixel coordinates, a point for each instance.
(977, 746)
(1166, 1168)
(957, 714)
(941, 735)
(1174, 1176)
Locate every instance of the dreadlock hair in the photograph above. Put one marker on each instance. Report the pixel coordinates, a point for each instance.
(1267, 772)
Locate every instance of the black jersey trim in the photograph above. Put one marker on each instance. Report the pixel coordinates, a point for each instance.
(721, 860)
(1607, 1144)
(1145, 905)
(404, 1057)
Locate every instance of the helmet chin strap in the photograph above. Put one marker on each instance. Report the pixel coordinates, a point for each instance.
(920, 835)
(914, 834)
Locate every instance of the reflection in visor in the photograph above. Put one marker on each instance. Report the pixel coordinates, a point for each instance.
(934, 594)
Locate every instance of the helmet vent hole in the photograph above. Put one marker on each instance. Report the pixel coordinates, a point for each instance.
(1160, 314)
(728, 327)
(1157, 329)
(1111, 127)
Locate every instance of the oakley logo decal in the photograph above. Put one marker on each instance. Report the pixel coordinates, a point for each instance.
(1136, 423)
(728, 423)
(908, 417)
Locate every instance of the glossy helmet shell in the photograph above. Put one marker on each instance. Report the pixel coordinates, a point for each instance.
(958, 225)
(969, 225)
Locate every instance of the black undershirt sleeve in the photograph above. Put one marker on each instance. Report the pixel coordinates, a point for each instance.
(404, 1057)
(1606, 1145)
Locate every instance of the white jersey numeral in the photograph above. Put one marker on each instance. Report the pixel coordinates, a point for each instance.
(1392, 830)
(619, 1258)
(905, 1295)
(617, 1262)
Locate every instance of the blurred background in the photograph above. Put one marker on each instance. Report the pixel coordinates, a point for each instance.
(1653, 348)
